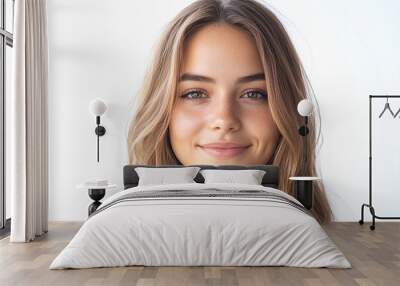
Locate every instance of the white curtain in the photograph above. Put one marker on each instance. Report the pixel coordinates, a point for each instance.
(28, 157)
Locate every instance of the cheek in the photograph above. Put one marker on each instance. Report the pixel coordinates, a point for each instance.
(262, 127)
(184, 127)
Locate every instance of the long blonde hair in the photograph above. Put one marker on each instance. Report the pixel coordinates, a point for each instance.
(287, 84)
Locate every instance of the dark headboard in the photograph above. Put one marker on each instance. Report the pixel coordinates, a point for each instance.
(270, 179)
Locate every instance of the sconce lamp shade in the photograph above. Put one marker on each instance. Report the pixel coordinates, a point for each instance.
(305, 107)
(97, 107)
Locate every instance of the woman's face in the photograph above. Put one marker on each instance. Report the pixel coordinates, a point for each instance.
(222, 98)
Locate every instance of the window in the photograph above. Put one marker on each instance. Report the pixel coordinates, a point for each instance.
(6, 44)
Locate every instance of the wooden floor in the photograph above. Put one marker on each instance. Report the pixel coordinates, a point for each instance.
(374, 255)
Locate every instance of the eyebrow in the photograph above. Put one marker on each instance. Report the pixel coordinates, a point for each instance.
(196, 77)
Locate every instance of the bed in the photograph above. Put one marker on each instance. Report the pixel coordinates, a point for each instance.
(201, 223)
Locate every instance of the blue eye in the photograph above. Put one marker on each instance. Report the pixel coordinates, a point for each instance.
(261, 95)
(194, 94)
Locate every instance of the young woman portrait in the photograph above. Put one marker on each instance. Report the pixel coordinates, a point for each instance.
(226, 74)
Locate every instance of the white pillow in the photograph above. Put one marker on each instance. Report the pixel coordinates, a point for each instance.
(162, 176)
(249, 176)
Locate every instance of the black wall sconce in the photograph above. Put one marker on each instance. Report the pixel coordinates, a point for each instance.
(97, 107)
(303, 185)
(304, 108)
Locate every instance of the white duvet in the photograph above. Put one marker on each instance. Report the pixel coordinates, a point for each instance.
(207, 231)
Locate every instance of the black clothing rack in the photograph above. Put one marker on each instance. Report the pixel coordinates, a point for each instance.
(370, 206)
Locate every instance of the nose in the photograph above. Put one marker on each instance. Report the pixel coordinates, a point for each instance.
(224, 115)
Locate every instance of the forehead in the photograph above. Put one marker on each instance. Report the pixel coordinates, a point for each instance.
(221, 50)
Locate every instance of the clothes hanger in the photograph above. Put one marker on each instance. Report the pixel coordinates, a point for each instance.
(398, 111)
(387, 106)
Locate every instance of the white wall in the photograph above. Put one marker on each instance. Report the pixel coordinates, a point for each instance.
(100, 48)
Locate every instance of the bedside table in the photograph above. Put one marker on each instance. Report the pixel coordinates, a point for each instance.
(303, 190)
(96, 193)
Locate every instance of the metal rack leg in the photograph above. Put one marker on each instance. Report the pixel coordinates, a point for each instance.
(372, 210)
(374, 216)
(361, 221)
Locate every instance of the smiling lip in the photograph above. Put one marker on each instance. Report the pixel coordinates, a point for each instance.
(224, 149)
